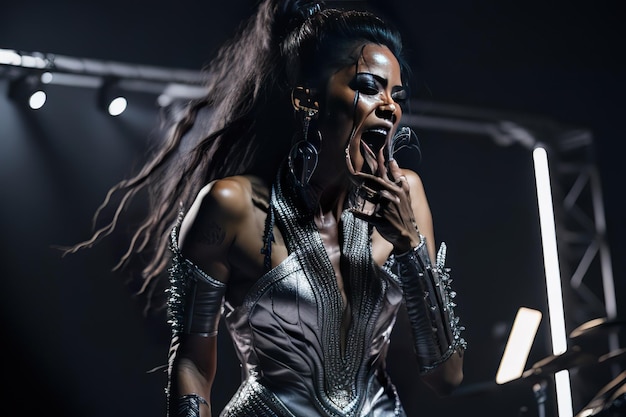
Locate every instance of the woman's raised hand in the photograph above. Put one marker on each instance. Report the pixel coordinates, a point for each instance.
(384, 200)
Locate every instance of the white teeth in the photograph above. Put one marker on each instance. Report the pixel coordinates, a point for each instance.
(378, 131)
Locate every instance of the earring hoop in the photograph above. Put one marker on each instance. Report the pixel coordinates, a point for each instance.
(302, 160)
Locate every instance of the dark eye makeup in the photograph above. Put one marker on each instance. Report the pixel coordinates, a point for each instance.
(400, 95)
(370, 84)
(365, 83)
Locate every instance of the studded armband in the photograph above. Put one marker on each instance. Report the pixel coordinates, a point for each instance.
(429, 302)
(188, 406)
(195, 299)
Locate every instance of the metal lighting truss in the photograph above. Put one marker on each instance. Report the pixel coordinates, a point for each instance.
(168, 83)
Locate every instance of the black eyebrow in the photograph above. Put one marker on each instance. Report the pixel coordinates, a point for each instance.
(382, 80)
(378, 78)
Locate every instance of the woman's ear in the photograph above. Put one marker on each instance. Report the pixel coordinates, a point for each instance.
(305, 100)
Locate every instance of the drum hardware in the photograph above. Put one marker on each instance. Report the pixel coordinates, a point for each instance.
(610, 401)
(537, 375)
(552, 364)
(597, 327)
(539, 372)
(616, 355)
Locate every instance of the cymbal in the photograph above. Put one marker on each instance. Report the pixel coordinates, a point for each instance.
(572, 358)
(614, 355)
(597, 327)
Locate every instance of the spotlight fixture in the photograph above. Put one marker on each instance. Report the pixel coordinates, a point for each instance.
(111, 98)
(117, 106)
(169, 85)
(28, 90)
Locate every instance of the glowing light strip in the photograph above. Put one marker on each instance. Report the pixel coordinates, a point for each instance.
(563, 394)
(553, 278)
(518, 345)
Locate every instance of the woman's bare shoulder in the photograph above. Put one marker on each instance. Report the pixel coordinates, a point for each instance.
(225, 202)
(232, 195)
(414, 178)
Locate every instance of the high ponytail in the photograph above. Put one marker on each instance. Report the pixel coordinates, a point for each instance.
(291, 14)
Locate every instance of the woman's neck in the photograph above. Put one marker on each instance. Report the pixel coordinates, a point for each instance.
(323, 196)
(330, 204)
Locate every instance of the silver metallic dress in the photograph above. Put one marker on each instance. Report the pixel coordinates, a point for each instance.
(298, 358)
(288, 331)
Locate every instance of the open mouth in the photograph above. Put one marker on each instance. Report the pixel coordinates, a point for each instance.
(375, 139)
(372, 141)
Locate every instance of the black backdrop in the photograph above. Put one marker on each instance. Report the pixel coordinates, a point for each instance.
(76, 341)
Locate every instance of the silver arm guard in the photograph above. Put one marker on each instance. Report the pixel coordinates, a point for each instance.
(195, 299)
(188, 406)
(428, 299)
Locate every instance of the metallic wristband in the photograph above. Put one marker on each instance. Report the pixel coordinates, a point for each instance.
(428, 299)
(188, 406)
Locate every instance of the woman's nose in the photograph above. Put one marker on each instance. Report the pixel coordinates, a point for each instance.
(387, 111)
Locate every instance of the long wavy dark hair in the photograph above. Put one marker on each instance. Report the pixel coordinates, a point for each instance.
(244, 124)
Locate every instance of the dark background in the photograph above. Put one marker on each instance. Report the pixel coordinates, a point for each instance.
(76, 341)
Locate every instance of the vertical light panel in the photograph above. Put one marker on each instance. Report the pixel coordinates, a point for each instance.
(553, 277)
(518, 345)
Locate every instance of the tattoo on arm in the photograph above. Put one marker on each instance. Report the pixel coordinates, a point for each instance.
(212, 234)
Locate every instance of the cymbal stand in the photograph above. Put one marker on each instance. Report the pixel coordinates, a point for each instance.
(540, 391)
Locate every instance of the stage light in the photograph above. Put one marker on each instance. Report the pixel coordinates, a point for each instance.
(37, 99)
(117, 106)
(10, 57)
(518, 345)
(111, 98)
(553, 277)
(28, 90)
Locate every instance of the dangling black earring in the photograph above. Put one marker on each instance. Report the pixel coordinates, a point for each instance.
(303, 156)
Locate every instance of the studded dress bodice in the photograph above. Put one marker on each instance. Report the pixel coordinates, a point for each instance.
(288, 331)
